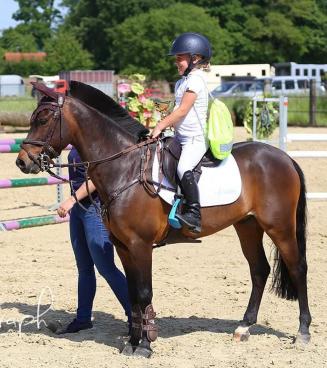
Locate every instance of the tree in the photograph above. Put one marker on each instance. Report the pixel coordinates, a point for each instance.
(18, 39)
(92, 20)
(254, 31)
(39, 16)
(270, 31)
(64, 52)
(141, 43)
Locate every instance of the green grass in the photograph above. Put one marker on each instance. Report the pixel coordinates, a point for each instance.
(17, 104)
(298, 109)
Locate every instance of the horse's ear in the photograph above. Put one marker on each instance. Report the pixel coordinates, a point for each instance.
(45, 90)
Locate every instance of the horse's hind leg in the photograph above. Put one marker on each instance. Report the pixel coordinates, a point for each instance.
(250, 234)
(290, 276)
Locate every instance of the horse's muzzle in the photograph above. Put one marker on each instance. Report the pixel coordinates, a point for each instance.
(27, 168)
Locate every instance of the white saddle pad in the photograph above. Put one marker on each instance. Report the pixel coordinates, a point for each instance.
(217, 185)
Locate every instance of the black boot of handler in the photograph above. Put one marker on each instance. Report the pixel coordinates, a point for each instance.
(191, 216)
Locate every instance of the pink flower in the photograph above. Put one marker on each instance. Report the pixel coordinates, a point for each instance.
(123, 88)
(147, 114)
(133, 114)
(142, 98)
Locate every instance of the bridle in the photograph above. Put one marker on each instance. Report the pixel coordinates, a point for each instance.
(45, 162)
(43, 159)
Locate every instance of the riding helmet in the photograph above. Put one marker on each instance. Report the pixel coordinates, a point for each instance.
(191, 43)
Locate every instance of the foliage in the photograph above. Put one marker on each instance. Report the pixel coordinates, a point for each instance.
(138, 104)
(23, 68)
(64, 52)
(39, 16)
(271, 31)
(92, 21)
(135, 36)
(18, 39)
(267, 118)
(142, 42)
(238, 109)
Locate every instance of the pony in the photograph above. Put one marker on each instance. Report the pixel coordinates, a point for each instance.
(109, 140)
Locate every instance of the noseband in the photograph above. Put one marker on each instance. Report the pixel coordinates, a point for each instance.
(43, 160)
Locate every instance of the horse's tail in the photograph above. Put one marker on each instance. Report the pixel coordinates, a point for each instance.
(282, 283)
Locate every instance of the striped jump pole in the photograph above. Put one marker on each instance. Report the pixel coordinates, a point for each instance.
(15, 148)
(31, 222)
(30, 182)
(11, 141)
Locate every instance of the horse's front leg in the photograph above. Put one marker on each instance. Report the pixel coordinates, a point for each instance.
(137, 263)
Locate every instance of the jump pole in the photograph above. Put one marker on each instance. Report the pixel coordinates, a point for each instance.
(30, 182)
(15, 148)
(31, 222)
(11, 141)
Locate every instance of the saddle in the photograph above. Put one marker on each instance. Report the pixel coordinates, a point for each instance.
(170, 153)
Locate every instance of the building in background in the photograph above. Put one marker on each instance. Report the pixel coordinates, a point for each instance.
(100, 79)
(11, 85)
(16, 57)
(312, 71)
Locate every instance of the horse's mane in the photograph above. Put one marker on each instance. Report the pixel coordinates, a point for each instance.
(106, 105)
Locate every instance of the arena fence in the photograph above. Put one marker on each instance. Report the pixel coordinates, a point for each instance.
(284, 137)
(13, 146)
(31, 222)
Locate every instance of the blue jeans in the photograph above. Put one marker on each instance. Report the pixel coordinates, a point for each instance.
(91, 247)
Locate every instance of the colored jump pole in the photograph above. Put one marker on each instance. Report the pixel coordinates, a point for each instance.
(11, 141)
(15, 148)
(31, 222)
(30, 182)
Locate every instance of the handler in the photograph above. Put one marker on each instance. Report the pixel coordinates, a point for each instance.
(91, 246)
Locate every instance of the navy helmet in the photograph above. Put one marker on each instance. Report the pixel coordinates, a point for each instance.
(191, 43)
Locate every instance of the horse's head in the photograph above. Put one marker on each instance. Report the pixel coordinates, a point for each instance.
(47, 135)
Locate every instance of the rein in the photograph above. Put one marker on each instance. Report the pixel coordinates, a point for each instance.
(45, 163)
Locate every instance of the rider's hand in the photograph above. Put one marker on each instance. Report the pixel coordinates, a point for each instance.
(66, 206)
(156, 131)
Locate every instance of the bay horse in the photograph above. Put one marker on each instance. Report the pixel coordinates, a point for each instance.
(272, 201)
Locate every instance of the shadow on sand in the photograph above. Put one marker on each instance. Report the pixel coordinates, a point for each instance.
(109, 330)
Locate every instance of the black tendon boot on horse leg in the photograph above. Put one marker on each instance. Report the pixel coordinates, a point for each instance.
(191, 216)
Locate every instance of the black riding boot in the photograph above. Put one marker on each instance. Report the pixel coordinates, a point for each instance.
(191, 216)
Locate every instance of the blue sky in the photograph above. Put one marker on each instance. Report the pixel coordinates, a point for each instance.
(7, 8)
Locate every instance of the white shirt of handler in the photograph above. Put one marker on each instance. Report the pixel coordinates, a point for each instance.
(190, 131)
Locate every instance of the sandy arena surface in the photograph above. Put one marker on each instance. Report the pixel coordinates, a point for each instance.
(200, 293)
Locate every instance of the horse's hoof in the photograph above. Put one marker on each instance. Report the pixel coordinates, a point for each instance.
(142, 352)
(241, 334)
(302, 339)
(238, 337)
(127, 349)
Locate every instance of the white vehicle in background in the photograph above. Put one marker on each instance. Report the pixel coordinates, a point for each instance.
(239, 89)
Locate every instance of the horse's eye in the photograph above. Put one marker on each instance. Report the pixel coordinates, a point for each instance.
(41, 121)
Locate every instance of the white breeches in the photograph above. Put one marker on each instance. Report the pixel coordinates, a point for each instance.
(193, 149)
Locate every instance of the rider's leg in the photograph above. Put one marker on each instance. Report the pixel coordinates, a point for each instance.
(191, 216)
(193, 149)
